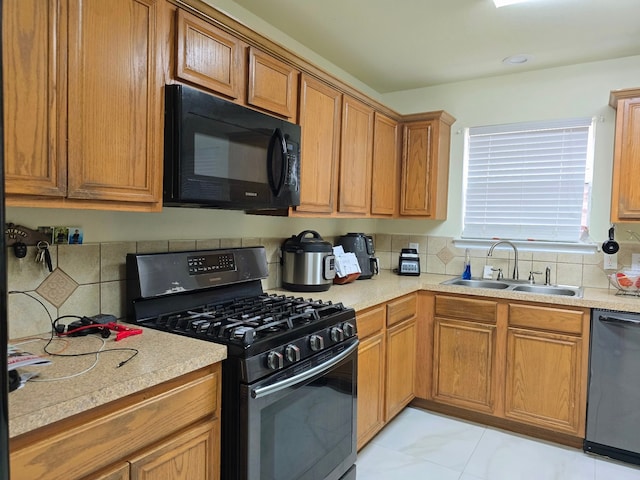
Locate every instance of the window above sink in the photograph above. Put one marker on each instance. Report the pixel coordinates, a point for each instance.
(529, 182)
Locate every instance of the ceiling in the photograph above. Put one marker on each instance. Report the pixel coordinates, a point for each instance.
(393, 45)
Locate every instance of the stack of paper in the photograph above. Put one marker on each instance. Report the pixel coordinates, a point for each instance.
(346, 262)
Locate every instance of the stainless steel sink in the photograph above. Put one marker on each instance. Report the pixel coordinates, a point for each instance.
(477, 283)
(518, 286)
(550, 290)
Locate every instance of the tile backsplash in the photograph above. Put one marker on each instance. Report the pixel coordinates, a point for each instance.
(90, 278)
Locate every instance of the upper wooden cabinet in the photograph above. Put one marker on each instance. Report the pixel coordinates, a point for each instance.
(84, 124)
(356, 146)
(34, 98)
(625, 195)
(385, 181)
(425, 165)
(320, 107)
(214, 59)
(273, 85)
(208, 56)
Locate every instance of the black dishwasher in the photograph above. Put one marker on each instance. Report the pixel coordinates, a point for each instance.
(613, 401)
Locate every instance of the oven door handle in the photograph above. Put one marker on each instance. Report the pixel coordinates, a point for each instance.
(276, 387)
(626, 321)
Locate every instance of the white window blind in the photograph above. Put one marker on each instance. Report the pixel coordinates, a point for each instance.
(528, 181)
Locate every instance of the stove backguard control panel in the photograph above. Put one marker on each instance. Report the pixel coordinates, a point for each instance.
(211, 263)
(158, 274)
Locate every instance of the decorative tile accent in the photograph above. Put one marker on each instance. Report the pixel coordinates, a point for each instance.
(57, 287)
(445, 255)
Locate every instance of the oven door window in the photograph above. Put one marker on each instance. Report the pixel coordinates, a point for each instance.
(306, 431)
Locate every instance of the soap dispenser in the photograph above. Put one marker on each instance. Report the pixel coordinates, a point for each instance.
(466, 274)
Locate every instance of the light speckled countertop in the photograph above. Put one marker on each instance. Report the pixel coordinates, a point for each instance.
(362, 294)
(165, 356)
(162, 357)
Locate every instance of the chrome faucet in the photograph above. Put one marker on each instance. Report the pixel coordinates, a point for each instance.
(515, 251)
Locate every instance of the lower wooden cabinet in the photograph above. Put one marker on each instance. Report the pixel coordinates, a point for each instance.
(464, 352)
(546, 368)
(386, 363)
(190, 455)
(115, 472)
(371, 373)
(170, 431)
(519, 363)
(401, 354)
(463, 363)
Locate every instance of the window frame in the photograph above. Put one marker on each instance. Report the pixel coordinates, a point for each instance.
(516, 129)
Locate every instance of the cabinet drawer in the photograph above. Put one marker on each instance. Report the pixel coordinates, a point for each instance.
(546, 318)
(401, 309)
(102, 436)
(466, 308)
(370, 321)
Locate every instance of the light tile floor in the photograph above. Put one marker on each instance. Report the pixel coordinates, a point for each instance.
(423, 445)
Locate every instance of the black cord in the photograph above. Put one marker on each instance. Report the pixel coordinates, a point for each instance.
(54, 331)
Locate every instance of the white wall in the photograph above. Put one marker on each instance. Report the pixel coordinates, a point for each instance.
(573, 91)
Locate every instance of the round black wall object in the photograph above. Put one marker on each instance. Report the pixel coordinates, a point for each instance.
(610, 246)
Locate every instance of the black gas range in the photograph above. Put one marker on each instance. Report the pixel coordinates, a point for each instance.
(278, 347)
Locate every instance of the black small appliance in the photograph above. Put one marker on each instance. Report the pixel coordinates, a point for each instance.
(219, 154)
(362, 246)
(409, 262)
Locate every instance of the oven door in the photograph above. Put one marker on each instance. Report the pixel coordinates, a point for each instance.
(301, 425)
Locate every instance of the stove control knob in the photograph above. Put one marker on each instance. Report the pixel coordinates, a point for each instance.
(348, 329)
(292, 353)
(316, 342)
(275, 360)
(337, 334)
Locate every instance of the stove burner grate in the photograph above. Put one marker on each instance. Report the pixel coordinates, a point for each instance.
(246, 320)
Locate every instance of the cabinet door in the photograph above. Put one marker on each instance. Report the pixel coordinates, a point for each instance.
(115, 111)
(543, 379)
(416, 169)
(463, 363)
(320, 122)
(425, 165)
(371, 367)
(273, 85)
(356, 148)
(625, 201)
(192, 455)
(384, 172)
(401, 367)
(209, 56)
(34, 97)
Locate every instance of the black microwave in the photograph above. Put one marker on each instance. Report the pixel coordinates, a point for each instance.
(222, 155)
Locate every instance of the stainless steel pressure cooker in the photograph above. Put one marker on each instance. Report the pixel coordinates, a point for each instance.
(308, 263)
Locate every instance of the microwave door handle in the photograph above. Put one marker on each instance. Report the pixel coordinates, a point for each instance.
(277, 145)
